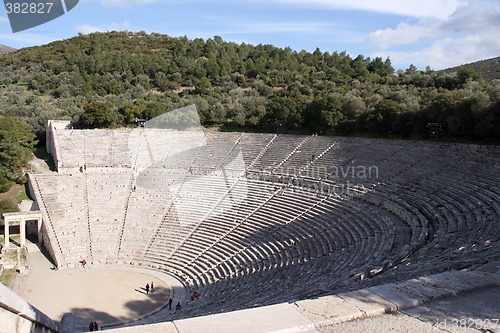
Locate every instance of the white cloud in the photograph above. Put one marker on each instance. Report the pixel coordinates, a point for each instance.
(87, 29)
(472, 18)
(465, 20)
(404, 33)
(412, 8)
(469, 34)
(448, 52)
(3, 20)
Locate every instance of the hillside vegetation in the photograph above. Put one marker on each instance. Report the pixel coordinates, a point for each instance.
(16, 145)
(489, 69)
(109, 79)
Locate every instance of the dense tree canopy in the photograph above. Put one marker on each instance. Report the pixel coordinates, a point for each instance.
(7, 206)
(110, 79)
(16, 145)
(103, 115)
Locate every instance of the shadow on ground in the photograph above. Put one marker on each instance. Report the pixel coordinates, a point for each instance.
(136, 309)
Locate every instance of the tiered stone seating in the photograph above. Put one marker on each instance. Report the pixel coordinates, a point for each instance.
(71, 148)
(306, 155)
(49, 237)
(98, 148)
(149, 198)
(194, 201)
(210, 209)
(147, 148)
(119, 148)
(277, 152)
(266, 246)
(253, 145)
(106, 199)
(64, 202)
(218, 150)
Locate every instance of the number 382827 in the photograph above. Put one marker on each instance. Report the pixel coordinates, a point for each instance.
(28, 8)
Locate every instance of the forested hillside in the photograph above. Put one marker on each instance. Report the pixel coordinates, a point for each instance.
(489, 69)
(16, 145)
(109, 79)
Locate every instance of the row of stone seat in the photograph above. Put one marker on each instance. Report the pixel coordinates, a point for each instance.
(236, 244)
(461, 210)
(106, 200)
(62, 200)
(276, 152)
(99, 147)
(258, 258)
(146, 147)
(449, 208)
(273, 153)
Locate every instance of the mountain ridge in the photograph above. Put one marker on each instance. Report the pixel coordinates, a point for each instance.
(488, 68)
(6, 49)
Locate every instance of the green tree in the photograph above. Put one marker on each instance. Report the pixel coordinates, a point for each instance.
(359, 66)
(8, 206)
(133, 110)
(287, 109)
(217, 113)
(322, 114)
(389, 110)
(203, 85)
(16, 145)
(99, 115)
(380, 67)
(465, 74)
(59, 79)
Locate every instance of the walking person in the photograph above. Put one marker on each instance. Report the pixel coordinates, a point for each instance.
(147, 288)
(152, 288)
(170, 301)
(91, 326)
(178, 306)
(96, 326)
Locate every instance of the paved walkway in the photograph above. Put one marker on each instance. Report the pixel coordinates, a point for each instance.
(108, 295)
(448, 302)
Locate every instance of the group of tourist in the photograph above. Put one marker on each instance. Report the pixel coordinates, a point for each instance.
(93, 326)
(148, 288)
(177, 307)
(170, 300)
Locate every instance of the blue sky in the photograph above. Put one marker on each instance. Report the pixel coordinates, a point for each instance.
(435, 33)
